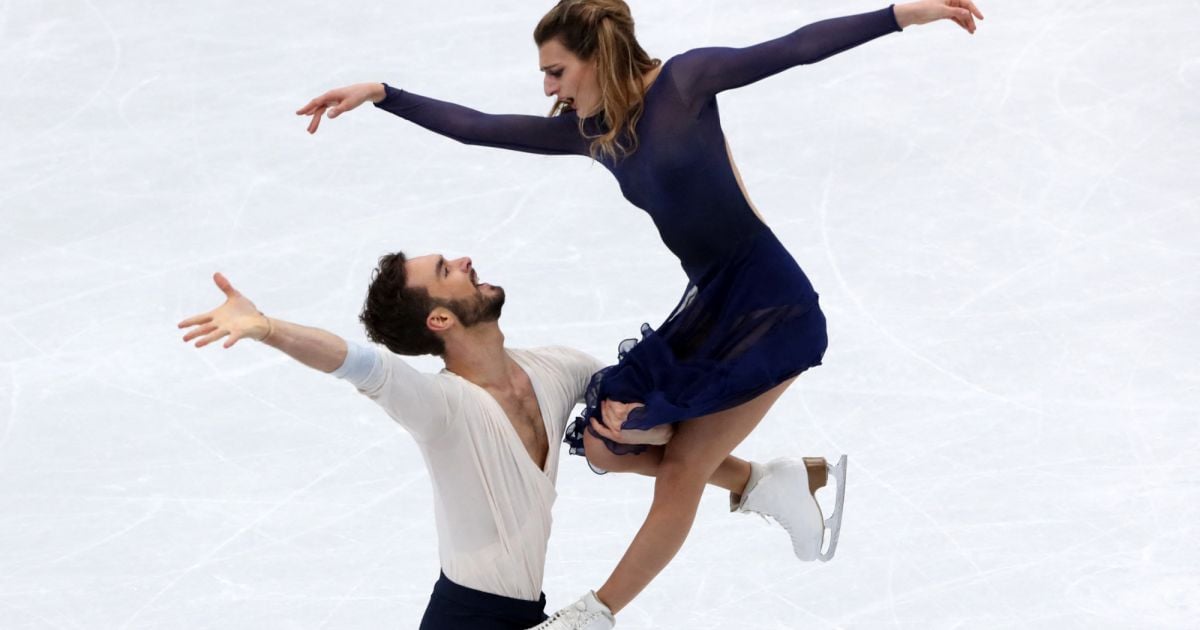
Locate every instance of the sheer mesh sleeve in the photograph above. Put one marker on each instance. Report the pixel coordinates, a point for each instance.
(703, 72)
(557, 135)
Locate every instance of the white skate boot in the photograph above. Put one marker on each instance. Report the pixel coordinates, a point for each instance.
(589, 613)
(785, 489)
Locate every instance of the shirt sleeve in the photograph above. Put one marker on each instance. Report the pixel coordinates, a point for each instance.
(704, 72)
(579, 367)
(556, 135)
(411, 398)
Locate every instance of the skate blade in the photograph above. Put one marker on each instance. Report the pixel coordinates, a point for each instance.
(833, 524)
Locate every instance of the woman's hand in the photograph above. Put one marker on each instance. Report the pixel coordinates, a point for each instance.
(237, 318)
(615, 413)
(340, 100)
(963, 12)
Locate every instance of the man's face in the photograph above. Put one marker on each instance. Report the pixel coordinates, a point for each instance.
(455, 285)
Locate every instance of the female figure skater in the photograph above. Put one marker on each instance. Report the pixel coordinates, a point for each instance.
(748, 322)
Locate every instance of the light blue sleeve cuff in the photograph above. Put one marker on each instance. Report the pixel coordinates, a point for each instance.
(361, 361)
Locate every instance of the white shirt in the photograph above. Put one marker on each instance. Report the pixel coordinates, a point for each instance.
(491, 501)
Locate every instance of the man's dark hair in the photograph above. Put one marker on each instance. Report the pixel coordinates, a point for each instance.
(394, 314)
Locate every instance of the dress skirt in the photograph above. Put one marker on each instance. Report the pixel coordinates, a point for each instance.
(748, 321)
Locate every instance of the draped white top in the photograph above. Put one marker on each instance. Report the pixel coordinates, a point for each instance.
(491, 500)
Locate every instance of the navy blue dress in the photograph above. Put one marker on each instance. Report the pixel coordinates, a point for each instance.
(748, 319)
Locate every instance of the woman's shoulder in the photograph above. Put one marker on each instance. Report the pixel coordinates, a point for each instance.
(663, 73)
(666, 66)
(681, 67)
(685, 58)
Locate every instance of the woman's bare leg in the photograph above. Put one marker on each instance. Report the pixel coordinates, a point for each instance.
(691, 458)
(733, 474)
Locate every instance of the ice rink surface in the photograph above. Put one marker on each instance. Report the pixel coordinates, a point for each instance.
(1004, 228)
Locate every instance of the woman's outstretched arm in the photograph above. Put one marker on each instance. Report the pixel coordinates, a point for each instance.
(530, 134)
(703, 72)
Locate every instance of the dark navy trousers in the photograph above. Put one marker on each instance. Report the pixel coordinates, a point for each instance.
(456, 607)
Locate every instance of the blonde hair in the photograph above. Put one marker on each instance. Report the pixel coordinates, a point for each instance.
(602, 30)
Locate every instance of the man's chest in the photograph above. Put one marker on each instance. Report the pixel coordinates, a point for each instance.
(523, 412)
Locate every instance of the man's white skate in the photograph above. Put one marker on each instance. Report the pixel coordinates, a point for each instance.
(589, 613)
(785, 489)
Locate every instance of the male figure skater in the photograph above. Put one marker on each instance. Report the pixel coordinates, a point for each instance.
(484, 424)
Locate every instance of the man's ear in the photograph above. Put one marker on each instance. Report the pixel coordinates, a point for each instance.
(440, 320)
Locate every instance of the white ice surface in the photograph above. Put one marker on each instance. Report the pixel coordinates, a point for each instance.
(1005, 231)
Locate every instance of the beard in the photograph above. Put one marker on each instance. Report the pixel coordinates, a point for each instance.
(480, 309)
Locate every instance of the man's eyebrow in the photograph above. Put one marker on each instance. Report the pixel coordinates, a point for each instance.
(440, 265)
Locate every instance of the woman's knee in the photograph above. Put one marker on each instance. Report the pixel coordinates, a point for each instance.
(688, 462)
(682, 473)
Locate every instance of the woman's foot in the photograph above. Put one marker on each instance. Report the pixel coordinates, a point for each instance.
(785, 490)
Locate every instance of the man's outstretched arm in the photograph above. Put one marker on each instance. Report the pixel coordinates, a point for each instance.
(239, 319)
(408, 396)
